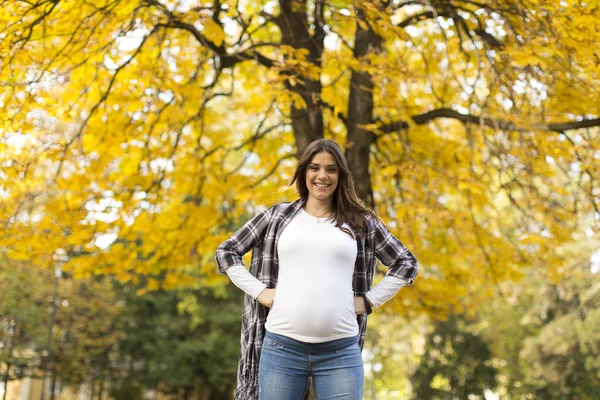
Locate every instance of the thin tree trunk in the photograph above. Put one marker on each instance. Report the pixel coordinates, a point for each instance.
(14, 332)
(100, 393)
(53, 386)
(8, 365)
(360, 112)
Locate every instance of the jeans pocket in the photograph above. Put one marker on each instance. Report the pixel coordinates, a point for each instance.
(274, 344)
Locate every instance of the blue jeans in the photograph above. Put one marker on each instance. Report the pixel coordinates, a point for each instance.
(285, 365)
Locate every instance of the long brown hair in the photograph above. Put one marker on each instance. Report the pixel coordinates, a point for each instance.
(347, 206)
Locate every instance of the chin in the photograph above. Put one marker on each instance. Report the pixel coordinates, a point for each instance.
(322, 196)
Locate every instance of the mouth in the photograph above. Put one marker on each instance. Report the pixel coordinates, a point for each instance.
(321, 185)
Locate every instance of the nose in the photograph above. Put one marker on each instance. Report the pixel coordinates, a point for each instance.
(321, 175)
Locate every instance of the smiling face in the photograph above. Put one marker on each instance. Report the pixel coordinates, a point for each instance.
(322, 175)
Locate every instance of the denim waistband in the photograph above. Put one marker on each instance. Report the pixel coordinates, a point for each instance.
(311, 348)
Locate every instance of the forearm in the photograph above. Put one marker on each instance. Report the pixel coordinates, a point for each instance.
(243, 279)
(385, 290)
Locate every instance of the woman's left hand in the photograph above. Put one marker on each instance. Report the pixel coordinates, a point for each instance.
(359, 305)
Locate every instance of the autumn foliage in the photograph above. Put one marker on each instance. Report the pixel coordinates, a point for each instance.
(135, 135)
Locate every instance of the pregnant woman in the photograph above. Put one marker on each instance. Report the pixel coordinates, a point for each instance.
(308, 291)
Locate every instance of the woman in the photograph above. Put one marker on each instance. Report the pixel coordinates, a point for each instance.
(308, 291)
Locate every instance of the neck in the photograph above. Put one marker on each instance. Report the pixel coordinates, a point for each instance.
(319, 207)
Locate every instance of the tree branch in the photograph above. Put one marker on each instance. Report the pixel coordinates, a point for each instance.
(226, 60)
(450, 12)
(272, 170)
(413, 19)
(429, 116)
(195, 32)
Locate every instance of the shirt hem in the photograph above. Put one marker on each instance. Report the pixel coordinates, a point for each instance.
(311, 339)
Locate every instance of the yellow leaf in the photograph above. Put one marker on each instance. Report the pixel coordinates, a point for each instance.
(363, 25)
(213, 31)
(388, 171)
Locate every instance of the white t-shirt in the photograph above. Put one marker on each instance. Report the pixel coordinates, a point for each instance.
(314, 300)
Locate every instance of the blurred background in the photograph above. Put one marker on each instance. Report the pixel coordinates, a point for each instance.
(135, 136)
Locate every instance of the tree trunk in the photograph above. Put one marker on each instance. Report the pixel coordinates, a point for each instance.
(53, 385)
(8, 365)
(307, 123)
(101, 391)
(14, 332)
(360, 111)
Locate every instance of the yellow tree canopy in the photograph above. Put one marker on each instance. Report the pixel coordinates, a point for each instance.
(136, 134)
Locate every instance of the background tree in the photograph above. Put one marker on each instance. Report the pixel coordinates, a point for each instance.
(88, 330)
(544, 332)
(115, 338)
(392, 353)
(84, 328)
(562, 359)
(23, 320)
(456, 364)
(183, 343)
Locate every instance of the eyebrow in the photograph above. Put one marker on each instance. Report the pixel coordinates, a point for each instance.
(330, 165)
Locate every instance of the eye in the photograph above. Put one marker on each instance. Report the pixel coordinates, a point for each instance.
(331, 170)
(314, 168)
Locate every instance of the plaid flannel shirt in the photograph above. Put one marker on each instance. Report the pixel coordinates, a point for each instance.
(261, 235)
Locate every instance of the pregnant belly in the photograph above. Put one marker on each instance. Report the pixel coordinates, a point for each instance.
(317, 316)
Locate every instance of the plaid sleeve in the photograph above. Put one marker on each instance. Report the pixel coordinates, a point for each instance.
(231, 251)
(393, 254)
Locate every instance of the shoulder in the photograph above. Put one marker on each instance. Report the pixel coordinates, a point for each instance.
(372, 222)
(375, 227)
(279, 209)
(284, 205)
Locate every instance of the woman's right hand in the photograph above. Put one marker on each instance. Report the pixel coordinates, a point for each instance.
(266, 297)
